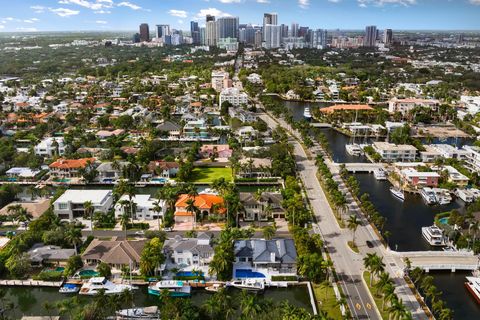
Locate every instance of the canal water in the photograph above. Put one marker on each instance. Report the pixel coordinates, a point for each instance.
(405, 220)
(31, 301)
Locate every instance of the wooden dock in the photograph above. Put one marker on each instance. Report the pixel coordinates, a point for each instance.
(31, 283)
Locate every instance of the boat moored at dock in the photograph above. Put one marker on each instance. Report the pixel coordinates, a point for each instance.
(397, 193)
(428, 195)
(97, 284)
(434, 236)
(473, 286)
(175, 288)
(248, 284)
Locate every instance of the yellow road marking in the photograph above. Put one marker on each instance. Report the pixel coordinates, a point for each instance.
(358, 306)
(369, 306)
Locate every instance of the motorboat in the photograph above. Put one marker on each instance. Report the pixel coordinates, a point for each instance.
(380, 174)
(215, 287)
(147, 313)
(248, 284)
(397, 193)
(465, 195)
(175, 288)
(428, 195)
(69, 288)
(442, 196)
(473, 286)
(306, 113)
(354, 149)
(434, 236)
(97, 284)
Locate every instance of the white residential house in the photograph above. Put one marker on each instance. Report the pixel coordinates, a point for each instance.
(50, 146)
(472, 160)
(189, 252)
(145, 206)
(471, 106)
(108, 172)
(234, 96)
(392, 152)
(70, 204)
(406, 105)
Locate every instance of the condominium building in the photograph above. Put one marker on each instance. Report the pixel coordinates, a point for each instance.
(234, 96)
(406, 105)
(220, 80)
(392, 152)
(472, 159)
(71, 204)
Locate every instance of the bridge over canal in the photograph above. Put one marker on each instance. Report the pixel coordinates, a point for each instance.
(440, 260)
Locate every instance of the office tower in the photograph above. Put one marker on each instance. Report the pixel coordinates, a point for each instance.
(211, 33)
(258, 39)
(195, 32)
(144, 32)
(318, 39)
(273, 36)
(388, 37)
(136, 38)
(250, 32)
(203, 39)
(370, 36)
(242, 35)
(227, 27)
(294, 30)
(163, 30)
(303, 32)
(269, 18)
(210, 18)
(284, 28)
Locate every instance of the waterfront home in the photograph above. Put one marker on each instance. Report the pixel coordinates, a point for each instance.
(116, 253)
(69, 168)
(169, 128)
(145, 207)
(36, 208)
(218, 150)
(196, 129)
(442, 151)
(472, 159)
(110, 171)
(261, 207)
(420, 179)
(41, 254)
(254, 168)
(49, 147)
(395, 152)
(21, 173)
(163, 169)
(189, 253)
(104, 134)
(404, 106)
(346, 107)
(246, 133)
(273, 256)
(71, 204)
(207, 205)
(456, 177)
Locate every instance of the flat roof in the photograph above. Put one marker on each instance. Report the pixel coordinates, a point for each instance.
(81, 196)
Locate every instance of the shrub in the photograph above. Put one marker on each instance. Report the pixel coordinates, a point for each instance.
(284, 278)
(49, 276)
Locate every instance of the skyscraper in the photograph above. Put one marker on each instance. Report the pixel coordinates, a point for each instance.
(370, 36)
(294, 30)
(144, 32)
(227, 27)
(211, 31)
(284, 30)
(388, 37)
(163, 30)
(318, 39)
(273, 36)
(195, 32)
(210, 18)
(269, 18)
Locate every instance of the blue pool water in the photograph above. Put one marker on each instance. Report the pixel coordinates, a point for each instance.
(88, 273)
(187, 274)
(443, 220)
(248, 273)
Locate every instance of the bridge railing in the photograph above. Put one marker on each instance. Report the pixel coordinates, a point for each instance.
(434, 253)
(446, 266)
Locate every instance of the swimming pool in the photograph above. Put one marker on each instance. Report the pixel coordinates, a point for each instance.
(443, 220)
(88, 273)
(248, 273)
(188, 274)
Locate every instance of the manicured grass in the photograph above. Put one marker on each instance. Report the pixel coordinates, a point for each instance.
(353, 246)
(377, 298)
(208, 174)
(327, 301)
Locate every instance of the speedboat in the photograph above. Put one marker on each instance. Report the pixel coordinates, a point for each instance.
(354, 149)
(379, 174)
(69, 288)
(175, 288)
(397, 193)
(248, 284)
(147, 313)
(428, 195)
(473, 286)
(434, 236)
(465, 195)
(442, 196)
(306, 113)
(215, 287)
(97, 284)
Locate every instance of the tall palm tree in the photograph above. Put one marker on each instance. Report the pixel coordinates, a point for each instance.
(383, 281)
(249, 305)
(192, 208)
(374, 264)
(397, 310)
(353, 223)
(89, 209)
(269, 232)
(125, 217)
(74, 236)
(157, 208)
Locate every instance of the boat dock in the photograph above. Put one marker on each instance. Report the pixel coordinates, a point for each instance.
(31, 283)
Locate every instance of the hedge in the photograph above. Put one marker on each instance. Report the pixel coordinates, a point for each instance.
(284, 278)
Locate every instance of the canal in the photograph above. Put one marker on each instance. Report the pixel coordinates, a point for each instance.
(31, 301)
(405, 219)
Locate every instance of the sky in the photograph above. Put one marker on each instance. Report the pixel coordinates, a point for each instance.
(112, 15)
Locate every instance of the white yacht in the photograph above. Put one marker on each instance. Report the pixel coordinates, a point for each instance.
(473, 286)
(354, 149)
(248, 284)
(428, 195)
(147, 313)
(215, 287)
(465, 195)
(306, 113)
(175, 288)
(397, 193)
(380, 174)
(69, 288)
(96, 284)
(433, 235)
(442, 196)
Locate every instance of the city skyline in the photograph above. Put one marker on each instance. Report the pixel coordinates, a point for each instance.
(112, 15)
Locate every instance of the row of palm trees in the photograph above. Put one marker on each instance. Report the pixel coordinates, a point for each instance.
(385, 287)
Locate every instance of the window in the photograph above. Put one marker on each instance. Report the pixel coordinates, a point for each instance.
(62, 206)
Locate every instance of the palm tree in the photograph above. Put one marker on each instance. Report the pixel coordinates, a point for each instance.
(125, 217)
(389, 295)
(269, 232)
(89, 209)
(374, 264)
(157, 208)
(432, 293)
(249, 305)
(74, 236)
(353, 223)
(191, 207)
(383, 281)
(397, 310)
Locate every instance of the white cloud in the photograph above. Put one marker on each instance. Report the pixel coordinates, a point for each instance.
(2, 26)
(63, 12)
(210, 11)
(380, 3)
(38, 9)
(102, 12)
(304, 4)
(101, 22)
(263, 1)
(129, 5)
(475, 2)
(94, 5)
(26, 29)
(178, 13)
(33, 20)
(334, 1)
(230, 1)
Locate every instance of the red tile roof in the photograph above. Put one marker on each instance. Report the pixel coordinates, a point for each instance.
(71, 163)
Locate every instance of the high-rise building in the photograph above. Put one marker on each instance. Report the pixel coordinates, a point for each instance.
(210, 18)
(203, 37)
(163, 30)
(144, 32)
(370, 36)
(269, 18)
(136, 38)
(273, 36)
(388, 37)
(258, 39)
(284, 28)
(294, 30)
(318, 39)
(195, 32)
(211, 33)
(227, 27)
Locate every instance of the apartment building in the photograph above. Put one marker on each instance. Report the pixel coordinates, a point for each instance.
(234, 96)
(406, 105)
(392, 152)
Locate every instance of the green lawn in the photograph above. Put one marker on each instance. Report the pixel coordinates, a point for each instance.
(377, 298)
(327, 301)
(208, 174)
